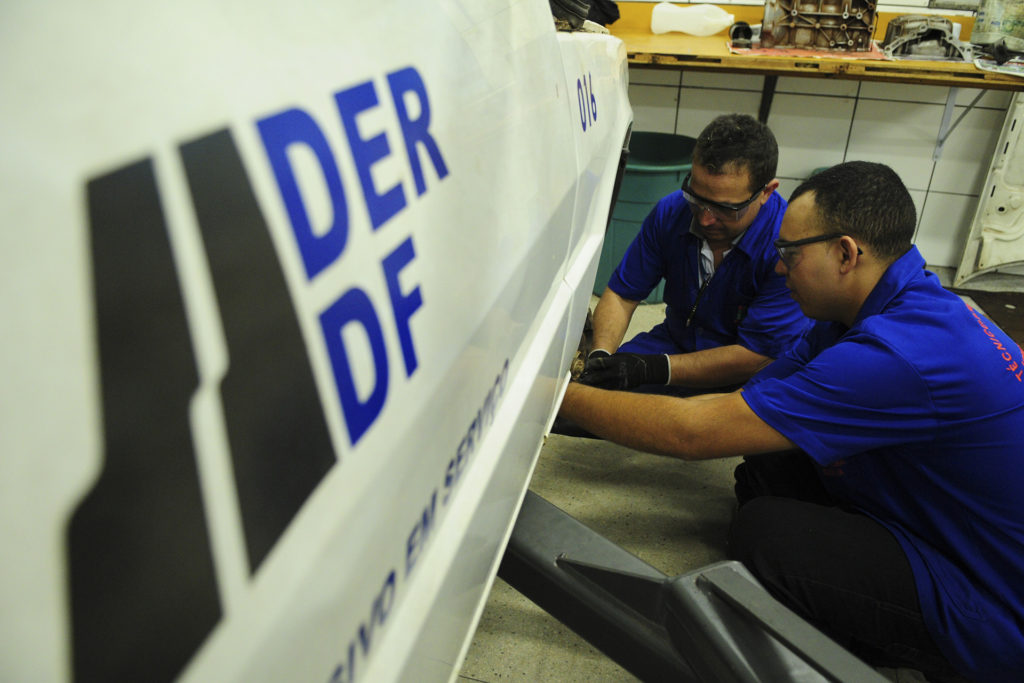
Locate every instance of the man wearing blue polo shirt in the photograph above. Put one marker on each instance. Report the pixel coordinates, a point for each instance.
(897, 527)
(727, 312)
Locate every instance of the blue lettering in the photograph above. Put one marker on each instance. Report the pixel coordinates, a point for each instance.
(593, 100)
(355, 308)
(586, 100)
(379, 611)
(418, 536)
(581, 100)
(404, 81)
(321, 246)
(403, 305)
(297, 127)
(379, 614)
(367, 152)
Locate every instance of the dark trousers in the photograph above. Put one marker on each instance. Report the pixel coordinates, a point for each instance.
(838, 569)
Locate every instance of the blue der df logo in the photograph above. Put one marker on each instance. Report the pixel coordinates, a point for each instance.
(296, 127)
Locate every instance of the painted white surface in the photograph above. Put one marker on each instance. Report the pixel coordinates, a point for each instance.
(996, 237)
(530, 125)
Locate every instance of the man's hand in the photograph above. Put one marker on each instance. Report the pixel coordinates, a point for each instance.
(625, 370)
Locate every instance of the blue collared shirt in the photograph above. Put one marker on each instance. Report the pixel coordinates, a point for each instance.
(915, 416)
(745, 302)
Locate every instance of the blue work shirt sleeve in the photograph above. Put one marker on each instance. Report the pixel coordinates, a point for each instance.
(790, 361)
(854, 397)
(643, 265)
(773, 322)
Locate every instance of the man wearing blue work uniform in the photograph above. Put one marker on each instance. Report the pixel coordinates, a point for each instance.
(727, 312)
(897, 528)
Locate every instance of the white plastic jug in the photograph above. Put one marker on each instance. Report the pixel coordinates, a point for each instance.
(999, 20)
(696, 20)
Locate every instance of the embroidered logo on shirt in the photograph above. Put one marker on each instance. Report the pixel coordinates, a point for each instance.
(834, 469)
(1013, 367)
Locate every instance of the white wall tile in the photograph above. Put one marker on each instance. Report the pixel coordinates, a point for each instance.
(698, 106)
(654, 107)
(787, 185)
(994, 99)
(649, 76)
(919, 197)
(718, 79)
(811, 131)
(944, 226)
(898, 134)
(967, 152)
(935, 94)
(816, 86)
(892, 123)
(904, 92)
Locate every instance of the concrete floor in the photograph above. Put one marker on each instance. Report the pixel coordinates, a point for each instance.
(671, 514)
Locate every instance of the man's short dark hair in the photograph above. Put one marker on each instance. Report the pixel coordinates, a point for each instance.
(742, 141)
(866, 201)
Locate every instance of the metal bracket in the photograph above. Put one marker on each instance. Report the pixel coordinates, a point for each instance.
(715, 624)
(944, 128)
(767, 95)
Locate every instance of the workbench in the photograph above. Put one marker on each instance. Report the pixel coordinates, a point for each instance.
(682, 51)
(691, 53)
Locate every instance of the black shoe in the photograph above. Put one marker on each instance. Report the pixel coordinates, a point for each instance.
(572, 11)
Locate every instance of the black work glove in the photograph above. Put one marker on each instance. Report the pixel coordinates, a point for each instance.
(587, 365)
(626, 370)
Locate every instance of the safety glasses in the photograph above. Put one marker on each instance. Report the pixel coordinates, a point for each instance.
(721, 210)
(787, 249)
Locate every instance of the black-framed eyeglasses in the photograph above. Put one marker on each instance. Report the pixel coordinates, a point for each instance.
(787, 251)
(721, 210)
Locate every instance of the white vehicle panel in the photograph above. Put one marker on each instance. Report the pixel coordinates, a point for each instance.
(290, 292)
(996, 237)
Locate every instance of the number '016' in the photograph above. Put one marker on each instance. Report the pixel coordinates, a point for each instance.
(587, 101)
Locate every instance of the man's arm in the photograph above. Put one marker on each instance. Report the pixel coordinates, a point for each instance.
(715, 426)
(717, 367)
(611, 318)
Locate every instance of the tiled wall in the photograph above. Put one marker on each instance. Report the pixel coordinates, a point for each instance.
(821, 122)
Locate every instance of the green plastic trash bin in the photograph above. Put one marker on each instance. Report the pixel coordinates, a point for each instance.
(657, 164)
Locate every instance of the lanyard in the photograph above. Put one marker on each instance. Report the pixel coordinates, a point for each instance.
(700, 270)
(696, 300)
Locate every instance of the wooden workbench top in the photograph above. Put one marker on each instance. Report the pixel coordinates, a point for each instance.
(682, 51)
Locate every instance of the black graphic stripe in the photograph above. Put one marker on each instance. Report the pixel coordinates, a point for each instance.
(142, 584)
(280, 445)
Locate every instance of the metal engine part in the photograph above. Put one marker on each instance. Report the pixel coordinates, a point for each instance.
(927, 37)
(845, 25)
(579, 360)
